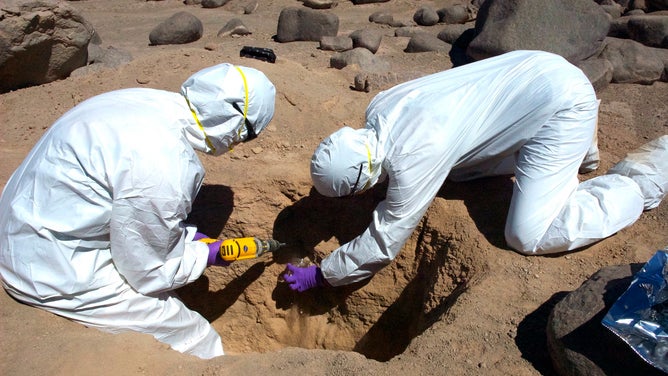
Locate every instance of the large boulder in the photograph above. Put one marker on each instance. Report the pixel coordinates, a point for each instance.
(633, 62)
(40, 41)
(365, 38)
(579, 344)
(649, 30)
(298, 24)
(574, 29)
(598, 71)
(426, 16)
(180, 28)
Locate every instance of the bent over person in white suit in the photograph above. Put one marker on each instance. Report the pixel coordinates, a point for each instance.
(92, 225)
(530, 113)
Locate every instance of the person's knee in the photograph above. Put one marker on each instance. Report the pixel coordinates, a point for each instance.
(519, 244)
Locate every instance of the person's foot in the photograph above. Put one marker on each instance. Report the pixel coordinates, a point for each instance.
(648, 167)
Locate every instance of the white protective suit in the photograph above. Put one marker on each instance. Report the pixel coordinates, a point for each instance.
(530, 113)
(92, 220)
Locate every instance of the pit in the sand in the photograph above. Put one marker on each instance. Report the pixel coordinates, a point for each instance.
(254, 311)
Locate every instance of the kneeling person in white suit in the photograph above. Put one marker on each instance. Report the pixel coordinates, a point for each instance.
(530, 113)
(92, 225)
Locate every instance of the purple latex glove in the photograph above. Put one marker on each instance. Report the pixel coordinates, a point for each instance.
(214, 255)
(214, 248)
(302, 279)
(199, 235)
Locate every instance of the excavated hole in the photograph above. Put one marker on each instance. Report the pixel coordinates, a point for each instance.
(254, 311)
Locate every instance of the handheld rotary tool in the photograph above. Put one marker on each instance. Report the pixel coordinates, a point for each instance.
(247, 248)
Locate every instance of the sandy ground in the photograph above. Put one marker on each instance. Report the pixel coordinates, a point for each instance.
(455, 302)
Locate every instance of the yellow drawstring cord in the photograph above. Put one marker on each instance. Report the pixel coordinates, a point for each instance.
(201, 127)
(368, 155)
(243, 77)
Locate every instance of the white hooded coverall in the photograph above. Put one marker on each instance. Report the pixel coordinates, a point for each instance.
(530, 113)
(92, 220)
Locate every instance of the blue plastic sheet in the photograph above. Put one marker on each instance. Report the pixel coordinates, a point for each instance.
(640, 314)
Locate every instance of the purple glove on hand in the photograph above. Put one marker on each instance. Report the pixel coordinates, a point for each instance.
(214, 250)
(302, 279)
(214, 255)
(199, 236)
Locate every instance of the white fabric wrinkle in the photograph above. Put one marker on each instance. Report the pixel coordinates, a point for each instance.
(211, 93)
(81, 201)
(466, 117)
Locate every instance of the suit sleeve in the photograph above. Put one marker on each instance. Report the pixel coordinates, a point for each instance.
(152, 197)
(410, 192)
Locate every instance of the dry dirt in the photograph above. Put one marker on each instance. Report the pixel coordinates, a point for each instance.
(455, 302)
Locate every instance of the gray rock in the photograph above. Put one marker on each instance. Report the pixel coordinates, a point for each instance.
(234, 27)
(297, 24)
(426, 16)
(320, 4)
(357, 2)
(477, 3)
(663, 55)
(408, 31)
(251, 7)
(423, 42)
(385, 18)
(213, 3)
(619, 27)
(624, 4)
(88, 69)
(369, 39)
(635, 12)
(632, 61)
(361, 57)
(95, 39)
(574, 29)
(110, 57)
(599, 71)
(578, 342)
(615, 11)
(367, 82)
(456, 14)
(50, 37)
(649, 30)
(451, 33)
(192, 2)
(381, 17)
(341, 43)
(180, 28)
(100, 58)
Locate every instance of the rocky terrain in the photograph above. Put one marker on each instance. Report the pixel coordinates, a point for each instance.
(457, 301)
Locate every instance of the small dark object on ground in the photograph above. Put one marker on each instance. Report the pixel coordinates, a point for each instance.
(264, 54)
